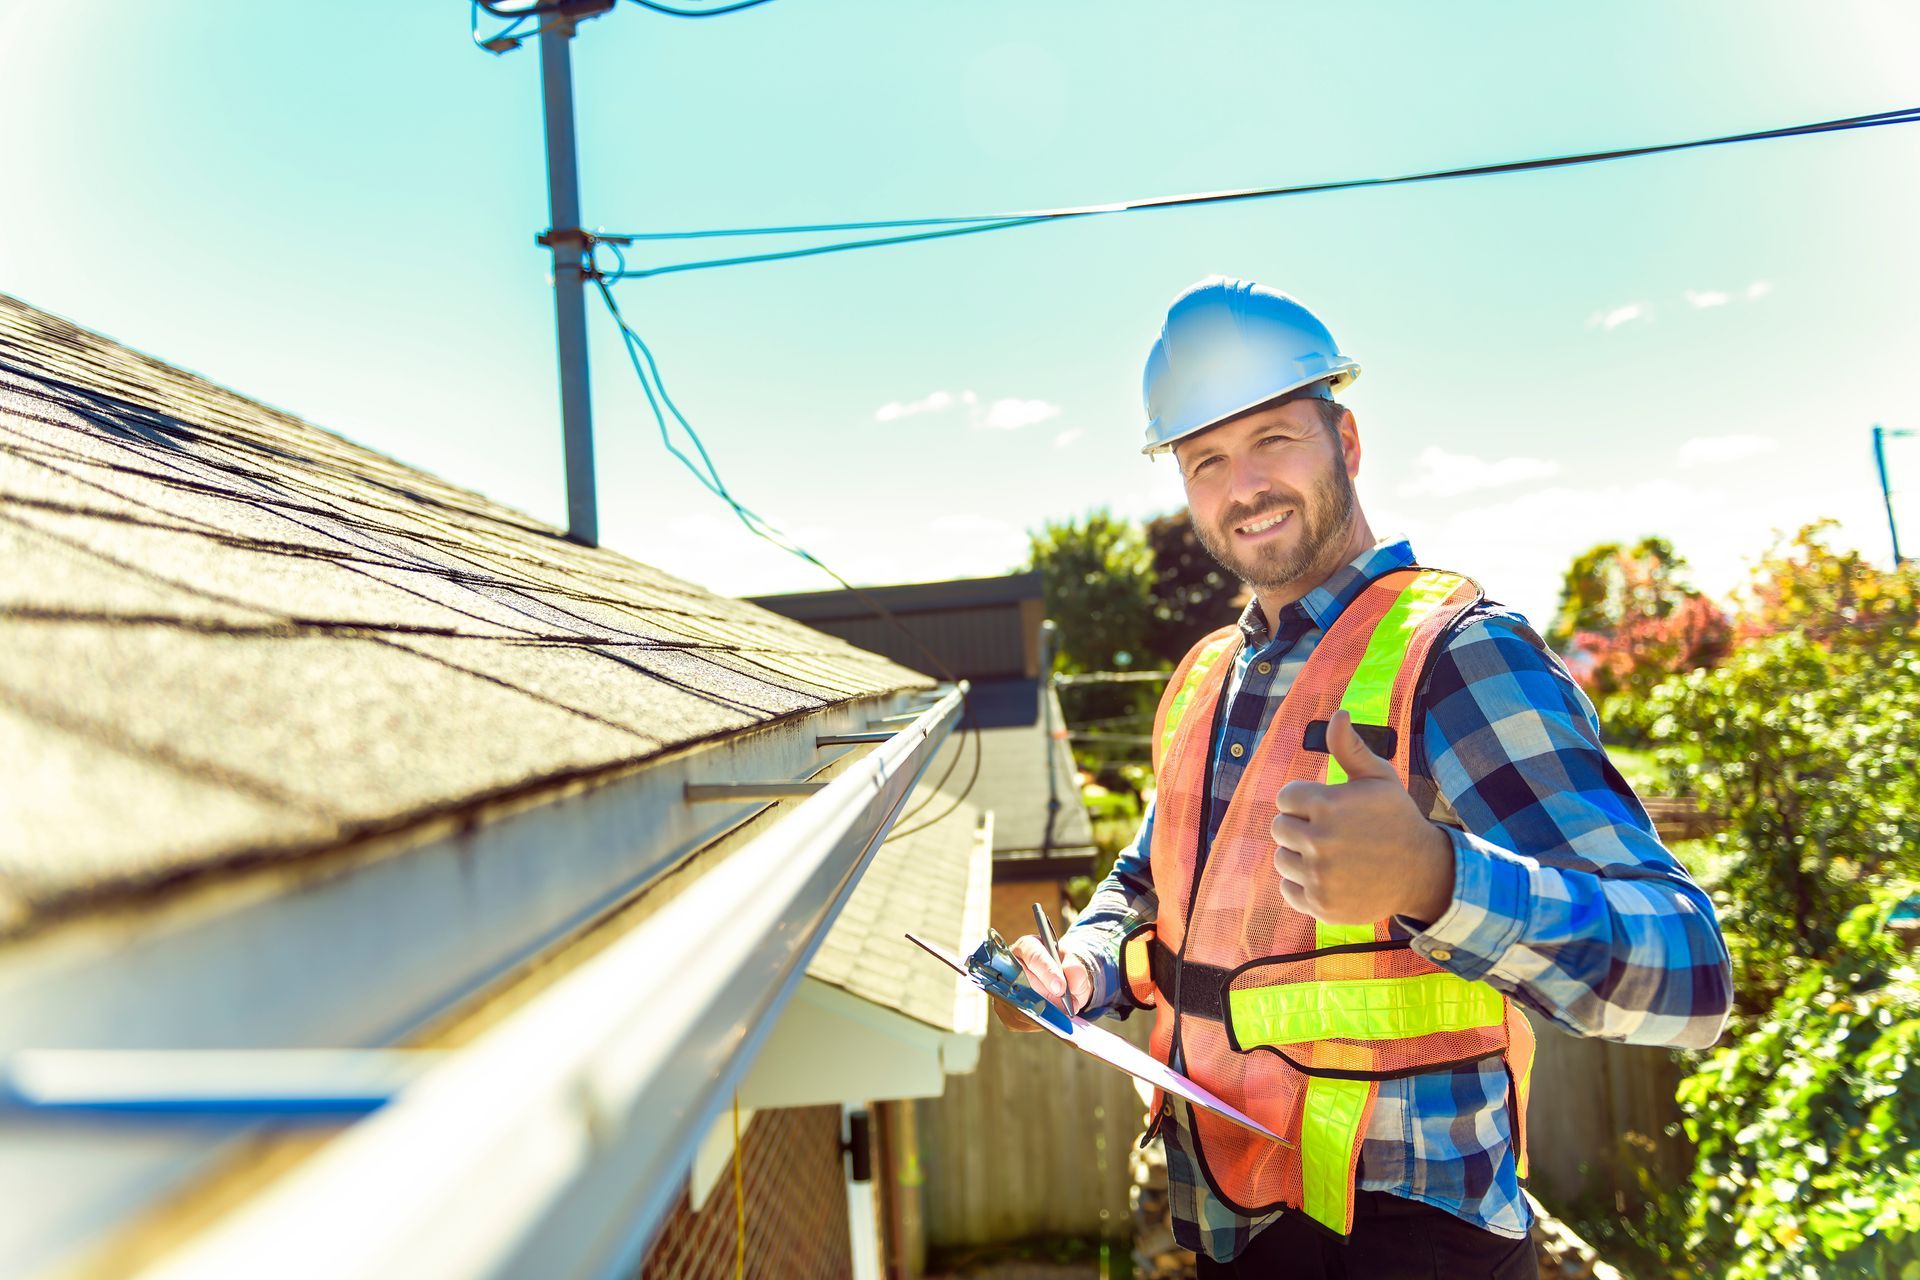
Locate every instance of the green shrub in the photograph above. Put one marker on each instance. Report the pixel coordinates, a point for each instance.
(1808, 1128)
(1807, 751)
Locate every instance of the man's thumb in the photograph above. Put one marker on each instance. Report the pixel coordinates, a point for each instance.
(1354, 755)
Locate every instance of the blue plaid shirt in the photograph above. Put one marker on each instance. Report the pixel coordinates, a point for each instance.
(1563, 897)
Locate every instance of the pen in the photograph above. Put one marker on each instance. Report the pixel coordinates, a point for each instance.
(1053, 947)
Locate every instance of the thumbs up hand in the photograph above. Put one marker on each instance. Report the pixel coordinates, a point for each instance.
(1359, 851)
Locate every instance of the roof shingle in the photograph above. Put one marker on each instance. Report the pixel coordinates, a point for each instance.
(226, 632)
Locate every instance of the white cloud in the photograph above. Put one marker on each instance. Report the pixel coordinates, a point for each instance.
(1441, 474)
(1518, 548)
(1007, 414)
(934, 402)
(1068, 436)
(1010, 415)
(1720, 297)
(1617, 316)
(1712, 450)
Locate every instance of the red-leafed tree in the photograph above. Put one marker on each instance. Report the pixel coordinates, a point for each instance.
(1628, 619)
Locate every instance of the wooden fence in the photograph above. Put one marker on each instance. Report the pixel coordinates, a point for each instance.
(1034, 1143)
(1602, 1118)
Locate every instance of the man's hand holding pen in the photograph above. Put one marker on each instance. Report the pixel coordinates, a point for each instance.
(1061, 978)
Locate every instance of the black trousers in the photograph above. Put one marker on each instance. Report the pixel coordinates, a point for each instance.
(1393, 1239)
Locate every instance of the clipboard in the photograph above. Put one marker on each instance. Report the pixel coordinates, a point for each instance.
(1089, 1039)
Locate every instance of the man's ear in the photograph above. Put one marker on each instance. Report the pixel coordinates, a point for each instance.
(1349, 432)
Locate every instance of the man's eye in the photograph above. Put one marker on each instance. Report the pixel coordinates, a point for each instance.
(1272, 439)
(1203, 464)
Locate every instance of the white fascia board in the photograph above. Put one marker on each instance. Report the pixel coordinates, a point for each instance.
(355, 949)
(831, 1046)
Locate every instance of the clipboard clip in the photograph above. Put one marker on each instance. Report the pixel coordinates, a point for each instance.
(993, 966)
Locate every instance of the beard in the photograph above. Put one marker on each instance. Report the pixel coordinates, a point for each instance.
(1324, 515)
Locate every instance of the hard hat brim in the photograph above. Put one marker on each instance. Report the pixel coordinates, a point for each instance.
(1336, 382)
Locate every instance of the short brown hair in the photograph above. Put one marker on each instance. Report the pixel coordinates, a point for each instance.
(1331, 411)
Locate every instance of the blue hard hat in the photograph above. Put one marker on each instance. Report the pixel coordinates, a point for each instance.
(1232, 345)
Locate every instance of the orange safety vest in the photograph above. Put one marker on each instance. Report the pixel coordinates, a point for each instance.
(1294, 1021)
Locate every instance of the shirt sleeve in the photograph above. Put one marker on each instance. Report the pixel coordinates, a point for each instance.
(1563, 895)
(1125, 898)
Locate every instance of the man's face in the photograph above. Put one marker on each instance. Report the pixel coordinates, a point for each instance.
(1271, 493)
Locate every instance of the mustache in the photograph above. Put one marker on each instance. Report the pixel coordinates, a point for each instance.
(1247, 515)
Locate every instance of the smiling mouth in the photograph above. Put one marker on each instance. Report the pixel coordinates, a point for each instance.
(1265, 524)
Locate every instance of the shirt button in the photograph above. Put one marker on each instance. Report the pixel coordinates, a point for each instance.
(1264, 668)
(1236, 751)
(1440, 955)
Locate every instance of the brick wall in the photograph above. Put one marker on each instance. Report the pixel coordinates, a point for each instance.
(796, 1200)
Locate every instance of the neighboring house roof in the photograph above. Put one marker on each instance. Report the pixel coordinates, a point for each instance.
(930, 881)
(1016, 755)
(956, 593)
(969, 629)
(987, 629)
(232, 636)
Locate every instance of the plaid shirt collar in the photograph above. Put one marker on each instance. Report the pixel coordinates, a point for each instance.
(1320, 606)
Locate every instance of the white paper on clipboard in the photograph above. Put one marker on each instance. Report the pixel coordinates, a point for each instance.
(1115, 1052)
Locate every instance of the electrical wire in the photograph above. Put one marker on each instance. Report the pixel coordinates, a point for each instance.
(499, 10)
(672, 12)
(544, 7)
(503, 40)
(647, 370)
(974, 224)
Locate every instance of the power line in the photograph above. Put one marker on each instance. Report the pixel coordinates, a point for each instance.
(672, 12)
(647, 370)
(544, 7)
(974, 224)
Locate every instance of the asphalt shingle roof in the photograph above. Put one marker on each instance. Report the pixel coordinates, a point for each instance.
(227, 634)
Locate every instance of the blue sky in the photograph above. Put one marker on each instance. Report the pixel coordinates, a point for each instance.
(331, 208)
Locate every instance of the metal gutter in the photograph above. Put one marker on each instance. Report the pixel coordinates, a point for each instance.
(554, 1145)
(359, 949)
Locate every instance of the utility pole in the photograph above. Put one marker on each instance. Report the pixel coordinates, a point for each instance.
(1049, 642)
(569, 242)
(1880, 435)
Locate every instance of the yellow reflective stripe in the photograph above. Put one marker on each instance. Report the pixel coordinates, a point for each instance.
(1329, 1128)
(1188, 688)
(1340, 935)
(1369, 694)
(1362, 1009)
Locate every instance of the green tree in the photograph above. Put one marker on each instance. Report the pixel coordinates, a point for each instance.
(1099, 581)
(1609, 584)
(1099, 591)
(1807, 1123)
(1627, 621)
(1192, 594)
(1804, 742)
(1836, 597)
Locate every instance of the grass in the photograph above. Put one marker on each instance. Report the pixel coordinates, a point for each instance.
(1642, 772)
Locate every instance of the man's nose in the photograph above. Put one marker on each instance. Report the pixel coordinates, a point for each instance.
(1246, 480)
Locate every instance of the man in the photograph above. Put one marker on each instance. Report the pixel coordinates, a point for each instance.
(1334, 923)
